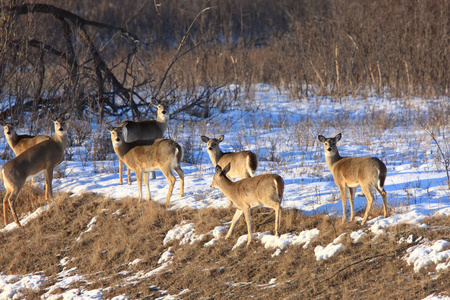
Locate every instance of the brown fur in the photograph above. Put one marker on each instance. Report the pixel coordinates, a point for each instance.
(20, 143)
(146, 130)
(263, 190)
(41, 157)
(352, 172)
(142, 157)
(243, 164)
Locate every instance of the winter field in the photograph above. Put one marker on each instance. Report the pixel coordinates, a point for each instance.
(283, 133)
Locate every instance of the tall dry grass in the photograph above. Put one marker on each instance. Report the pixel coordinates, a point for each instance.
(127, 230)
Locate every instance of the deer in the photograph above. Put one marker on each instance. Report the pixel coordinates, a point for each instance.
(350, 173)
(262, 190)
(243, 164)
(20, 143)
(44, 156)
(146, 130)
(145, 156)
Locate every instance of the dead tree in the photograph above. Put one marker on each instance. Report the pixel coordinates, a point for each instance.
(69, 21)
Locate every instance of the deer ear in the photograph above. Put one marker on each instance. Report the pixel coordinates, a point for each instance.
(220, 138)
(226, 169)
(338, 137)
(218, 169)
(204, 138)
(109, 127)
(321, 138)
(155, 101)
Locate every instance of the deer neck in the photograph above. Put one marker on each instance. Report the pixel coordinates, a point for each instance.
(162, 122)
(61, 138)
(12, 139)
(226, 186)
(215, 156)
(331, 159)
(122, 148)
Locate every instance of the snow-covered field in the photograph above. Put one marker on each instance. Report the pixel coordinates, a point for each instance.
(283, 133)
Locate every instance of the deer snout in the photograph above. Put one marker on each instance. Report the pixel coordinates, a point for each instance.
(117, 139)
(329, 149)
(210, 148)
(163, 112)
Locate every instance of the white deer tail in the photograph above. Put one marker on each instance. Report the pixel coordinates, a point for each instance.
(252, 163)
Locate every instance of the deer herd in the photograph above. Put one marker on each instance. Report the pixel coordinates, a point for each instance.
(141, 146)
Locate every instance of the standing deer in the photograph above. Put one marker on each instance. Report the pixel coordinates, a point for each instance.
(146, 130)
(41, 157)
(144, 156)
(350, 173)
(20, 143)
(263, 190)
(243, 164)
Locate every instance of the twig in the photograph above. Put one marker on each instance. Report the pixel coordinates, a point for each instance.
(177, 53)
(368, 258)
(446, 162)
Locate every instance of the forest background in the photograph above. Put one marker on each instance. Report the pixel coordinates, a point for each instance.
(113, 55)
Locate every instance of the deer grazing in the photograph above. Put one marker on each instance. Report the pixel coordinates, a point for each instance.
(263, 190)
(41, 157)
(20, 143)
(350, 173)
(243, 164)
(146, 130)
(145, 156)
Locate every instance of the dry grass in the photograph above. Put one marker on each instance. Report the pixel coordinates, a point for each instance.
(127, 230)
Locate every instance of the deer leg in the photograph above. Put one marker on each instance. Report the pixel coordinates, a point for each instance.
(351, 196)
(369, 196)
(236, 217)
(139, 183)
(344, 203)
(120, 172)
(128, 176)
(230, 204)
(5, 206)
(277, 218)
(384, 196)
(48, 183)
(153, 174)
(169, 175)
(180, 173)
(248, 219)
(147, 185)
(11, 200)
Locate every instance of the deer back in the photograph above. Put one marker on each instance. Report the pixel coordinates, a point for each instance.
(151, 129)
(354, 170)
(20, 143)
(261, 190)
(240, 162)
(25, 142)
(44, 155)
(161, 154)
(145, 130)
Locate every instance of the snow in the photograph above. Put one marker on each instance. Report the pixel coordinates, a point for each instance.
(416, 184)
(430, 252)
(323, 253)
(12, 285)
